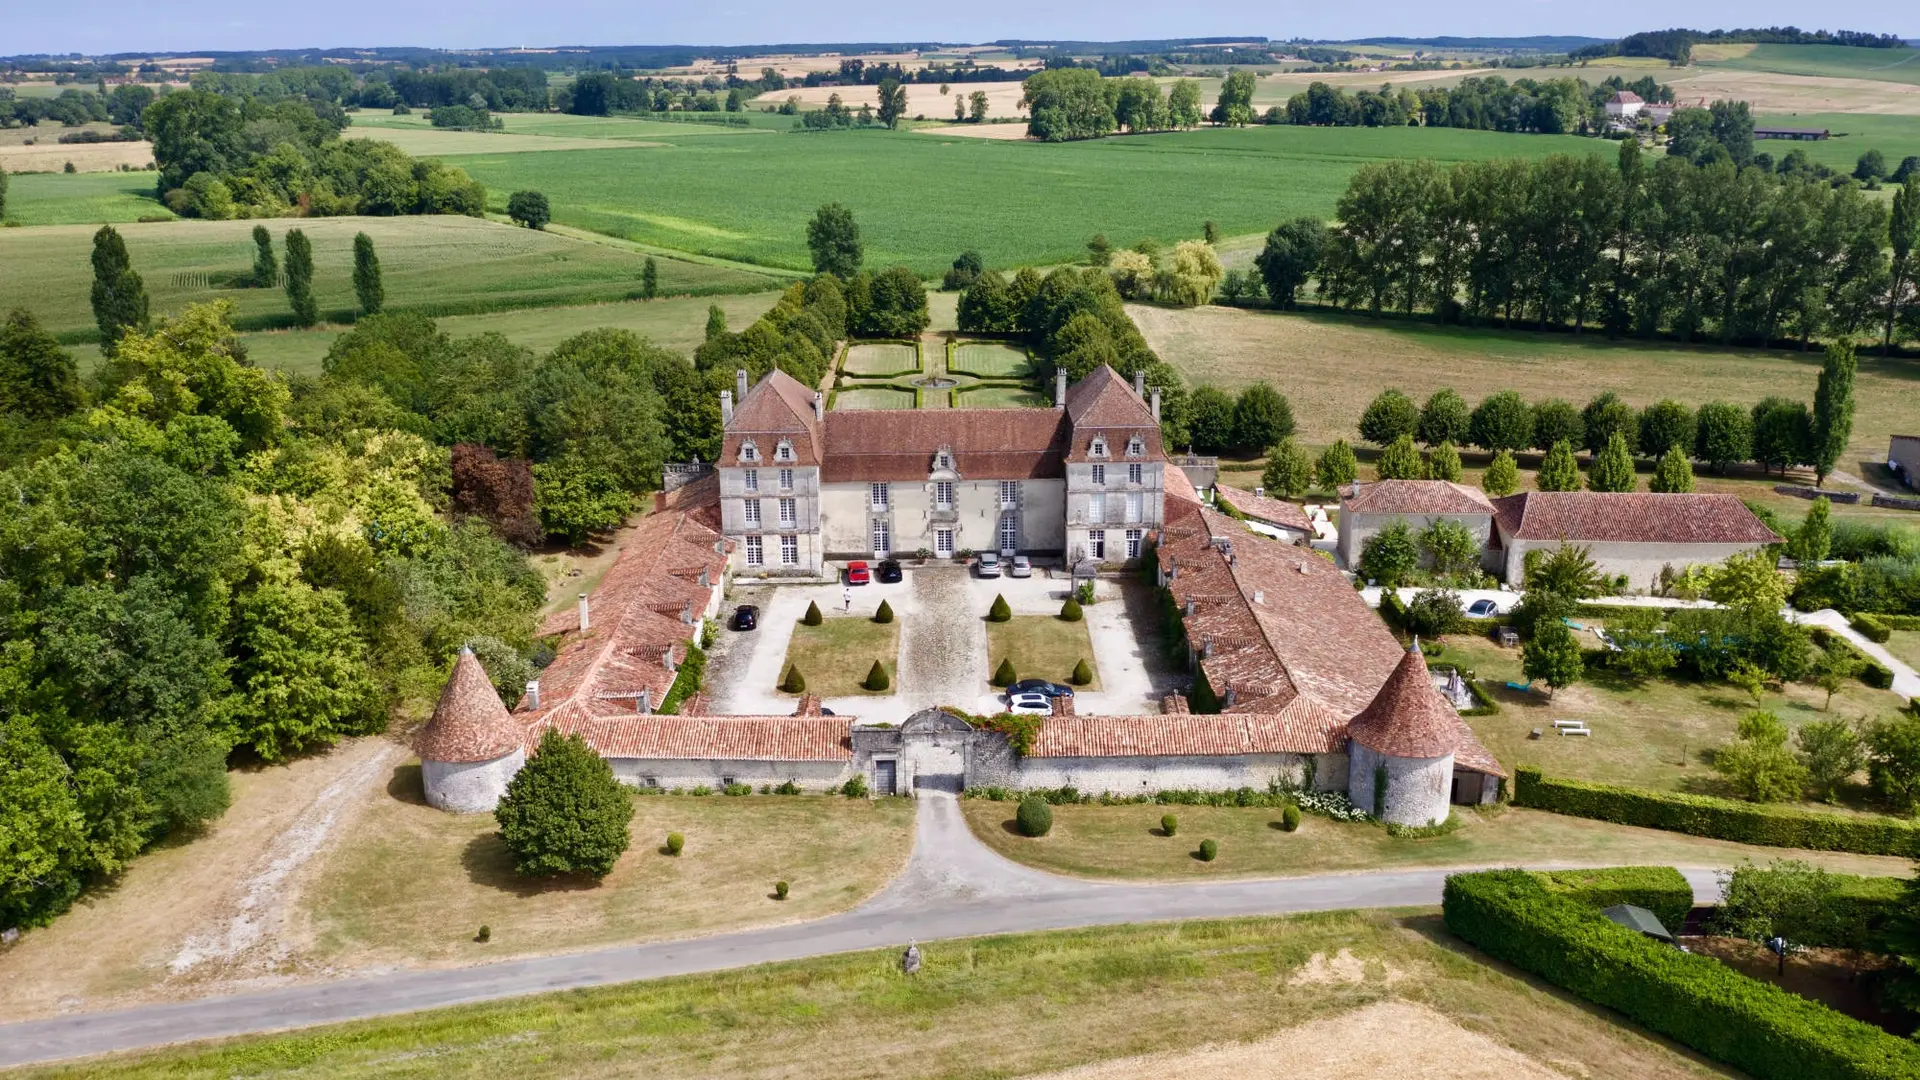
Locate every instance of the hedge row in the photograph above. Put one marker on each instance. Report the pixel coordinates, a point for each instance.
(1751, 1025)
(1872, 627)
(1660, 889)
(1872, 672)
(1722, 819)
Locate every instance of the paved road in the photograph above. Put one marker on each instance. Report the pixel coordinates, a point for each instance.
(953, 887)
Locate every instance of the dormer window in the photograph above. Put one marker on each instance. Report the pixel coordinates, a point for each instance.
(783, 451)
(1098, 449)
(1136, 446)
(749, 452)
(943, 460)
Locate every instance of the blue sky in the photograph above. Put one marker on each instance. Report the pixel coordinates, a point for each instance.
(132, 25)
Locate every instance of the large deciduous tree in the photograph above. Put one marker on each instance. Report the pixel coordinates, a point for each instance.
(38, 379)
(529, 208)
(1290, 257)
(119, 296)
(834, 239)
(564, 812)
(1389, 415)
(1446, 417)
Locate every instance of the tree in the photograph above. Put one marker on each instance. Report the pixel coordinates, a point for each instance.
(1502, 476)
(1066, 103)
(3, 193)
(266, 269)
(1099, 252)
(1261, 417)
(498, 491)
(1193, 275)
(1832, 670)
(965, 270)
(1210, 419)
(575, 498)
(1434, 612)
(1565, 570)
(1723, 435)
(1445, 417)
(716, 323)
(1183, 103)
(1502, 422)
(998, 611)
(1234, 105)
(834, 240)
(38, 379)
(1450, 547)
(1444, 463)
(1788, 899)
(1871, 167)
(1814, 539)
(1337, 466)
(1559, 471)
(1552, 656)
(1909, 168)
(1556, 420)
(897, 304)
(1903, 236)
(1833, 409)
(367, 287)
(977, 106)
(1400, 461)
(1070, 610)
(649, 280)
(119, 296)
(793, 682)
(1005, 675)
(1289, 471)
(302, 672)
(1210, 233)
(1782, 433)
(1291, 255)
(1757, 764)
(1389, 557)
(1389, 415)
(529, 208)
(877, 680)
(1673, 473)
(893, 102)
(563, 812)
(300, 279)
(1664, 424)
(1605, 416)
(1893, 759)
(1612, 468)
(1750, 583)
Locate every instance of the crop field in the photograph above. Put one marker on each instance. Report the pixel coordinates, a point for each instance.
(80, 199)
(991, 359)
(873, 397)
(438, 264)
(750, 199)
(1832, 61)
(423, 141)
(880, 358)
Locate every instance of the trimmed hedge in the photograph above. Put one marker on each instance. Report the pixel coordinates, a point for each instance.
(1722, 819)
(1872, 627)
(1660, 889)
(1751, 1025)
(1872, 672)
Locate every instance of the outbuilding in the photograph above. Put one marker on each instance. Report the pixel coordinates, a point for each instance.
(471, 747)
(1366, 509)
(1628, 534)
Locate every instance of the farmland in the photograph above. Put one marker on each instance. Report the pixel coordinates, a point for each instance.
(82, 199)
(1830, 61)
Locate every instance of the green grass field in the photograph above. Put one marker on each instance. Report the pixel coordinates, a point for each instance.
(1853, 134)
(438, 264)
(880, 358)
(991, 359)
(80, 199)
(920, 198)
(1001, 397)
(873, 397)
(1833, 61)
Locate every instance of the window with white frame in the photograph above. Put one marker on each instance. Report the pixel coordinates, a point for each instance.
(1135, 473)
(881, 537)
(943, 543)
(1097, 506)
(943, 495)
(1100, 475)
(755, 556)
(1097, 544)
(787, 515)
(1009, 494)
(750, 513)
(749, 452)
(786, 479)
(1136, 504)
(783, 451)
(943, 460)
(1098, 448)
(1133, 543)
(1009, 533)
(1136, 446)
(789, 551)
(750, 479)
(877, 493)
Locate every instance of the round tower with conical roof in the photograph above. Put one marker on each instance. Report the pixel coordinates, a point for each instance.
(471, 747)
(1400, 752)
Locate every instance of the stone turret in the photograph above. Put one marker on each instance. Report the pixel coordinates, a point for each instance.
(1405, 737)
(472, 747)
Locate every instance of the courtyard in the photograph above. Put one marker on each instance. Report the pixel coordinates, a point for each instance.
(937, 372)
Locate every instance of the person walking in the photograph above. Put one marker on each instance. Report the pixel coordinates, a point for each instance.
(846, 600)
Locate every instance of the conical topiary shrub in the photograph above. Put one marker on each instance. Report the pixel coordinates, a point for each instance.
(877, 677)
(1004, 675)
(999, 612)
(812, 618)
(884, 614)
(1082, 673)
(794, 683)
(1070, 611)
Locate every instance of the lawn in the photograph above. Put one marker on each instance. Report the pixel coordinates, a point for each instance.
(873, 397)
(1001, 397)
(1853, 134)
(834, 852)
(836, 655)
(441, 265)
(1905, 644)
(79, 199)
(880, 358)
(750, 198)
(991, 360)
(1125, 842)
(1371, 984)
(1042, 647)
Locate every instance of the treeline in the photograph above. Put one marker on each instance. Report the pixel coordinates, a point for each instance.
(1712, 251)
(503, 89)
(854, 71)
(1077, 103)
(226, 156)
(1480, 103)
(205, 563)
(122, 105)
(1676, 46)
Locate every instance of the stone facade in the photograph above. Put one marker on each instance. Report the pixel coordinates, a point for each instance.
(1628, 534)
(1418, 789)
(1640, 564)
(469, 787)
(1366, 509)
(716, 773)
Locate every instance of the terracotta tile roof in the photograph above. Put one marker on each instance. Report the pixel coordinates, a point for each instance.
(1631, 517)
(1189, 735)
(899, 444)
(1260, 508)
(723, 738)
(469, 724)
(1103, 405)
(1408, 718)
(1414, 497)
(1175, 482)
(778, 406)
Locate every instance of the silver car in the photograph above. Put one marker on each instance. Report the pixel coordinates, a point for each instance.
(988, 564)
(1030, 704)
(1019, 566)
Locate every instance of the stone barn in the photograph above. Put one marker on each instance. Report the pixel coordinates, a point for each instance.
(1632, 534)
(471, 747)
(1366, 509)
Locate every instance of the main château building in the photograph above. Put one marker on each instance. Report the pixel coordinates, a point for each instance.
(800, 485)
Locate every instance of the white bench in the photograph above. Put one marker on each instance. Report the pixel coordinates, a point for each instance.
(1570, 724)
(1575, 731)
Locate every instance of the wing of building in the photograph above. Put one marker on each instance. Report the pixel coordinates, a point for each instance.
(1634, 535)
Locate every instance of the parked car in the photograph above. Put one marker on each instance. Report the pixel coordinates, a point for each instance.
(988, 565)
(746, 617)
(1020, 567)
(1042, 687)
(1031, 704)
(889, 571)
(858, 574)
(1483, 609)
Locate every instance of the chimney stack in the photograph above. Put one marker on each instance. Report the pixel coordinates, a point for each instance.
(819, 406)
(532, 699)
(666, 659)
(644, 703)
(1140, 382)
(1156, 404)
(585, 623)
(1059, 389)
(726, 407)
(740, 385)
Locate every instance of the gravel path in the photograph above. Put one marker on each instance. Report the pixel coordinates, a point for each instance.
(944, 652)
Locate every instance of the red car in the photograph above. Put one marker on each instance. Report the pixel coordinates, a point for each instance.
(857, 573)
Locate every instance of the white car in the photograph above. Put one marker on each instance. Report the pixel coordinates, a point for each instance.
(988, 564)
(1031, 704)
(1019, 566)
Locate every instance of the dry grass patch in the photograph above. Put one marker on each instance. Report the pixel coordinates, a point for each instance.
(413, 884)
(1905, 644)
(49, 155)
(836, 655)
(1042, 647)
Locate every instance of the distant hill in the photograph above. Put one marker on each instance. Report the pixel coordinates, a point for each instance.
(1546, 43)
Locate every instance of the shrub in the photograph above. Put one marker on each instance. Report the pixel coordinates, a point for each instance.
(999, 612)
(1070, 611)
(1208, 850)
(675, 843)
(794, 682)
(1722, 819)
(1660, 889)
(877, 677)
(812, 617)
(564, 812)
(855, 787)
(884, 614)
(1871, 627)
(1290, 818)
(1004, 675)
(1082, 673)
(1755, 1027)
(1035, 816)
(787, 787)
(1434, 612)
(779, 890)
(737, 790)
(700, 791)
(485, 935)
(1169, 824)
